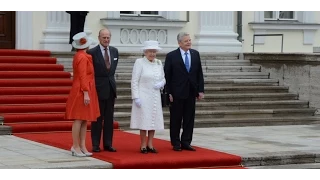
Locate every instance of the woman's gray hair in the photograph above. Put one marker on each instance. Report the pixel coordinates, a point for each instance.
(145, 50)
(181, 35)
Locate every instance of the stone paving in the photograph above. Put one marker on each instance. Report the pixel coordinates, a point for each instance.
(18, 153)
(260, 147)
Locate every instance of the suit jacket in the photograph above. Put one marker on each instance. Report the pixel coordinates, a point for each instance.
(179, 81)
(104, 80)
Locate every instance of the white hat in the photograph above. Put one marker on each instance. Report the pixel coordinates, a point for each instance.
(151, 45)
(81, 41)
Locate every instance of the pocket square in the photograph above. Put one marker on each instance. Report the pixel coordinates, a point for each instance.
(115, 59)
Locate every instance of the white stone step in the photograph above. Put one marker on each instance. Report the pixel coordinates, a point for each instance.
(5, 130)
(240, 122)
(250, 97)
(230, 75)
(221, 82)
(203, 55)
(245, 89)
(129, 59)
(237, 97)
(211, 69)
(214, 68)
(281, 104)
(246, 113)
(226, 90)
(219, 69)
(219, 55)
(204, 62)
(241, 82)
(226, 63)
(237, 75)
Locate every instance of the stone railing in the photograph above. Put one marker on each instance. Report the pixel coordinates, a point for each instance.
(300, 72)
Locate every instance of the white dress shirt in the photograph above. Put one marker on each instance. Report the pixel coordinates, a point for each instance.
(103, 52)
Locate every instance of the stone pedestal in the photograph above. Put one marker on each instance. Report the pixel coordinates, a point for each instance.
(216, 32)
(56, 35)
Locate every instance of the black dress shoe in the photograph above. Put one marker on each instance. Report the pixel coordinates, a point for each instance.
(189, 148)
(96, 149)
(176, 148)
(110, 149)
(144, 150)
(152, 150)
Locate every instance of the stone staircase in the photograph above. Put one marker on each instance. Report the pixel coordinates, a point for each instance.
(236, 94)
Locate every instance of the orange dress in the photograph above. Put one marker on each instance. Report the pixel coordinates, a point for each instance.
(83, 80)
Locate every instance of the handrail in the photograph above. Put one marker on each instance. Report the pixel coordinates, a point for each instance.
(254, 37)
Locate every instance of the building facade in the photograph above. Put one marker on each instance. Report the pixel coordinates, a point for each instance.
(211, 31)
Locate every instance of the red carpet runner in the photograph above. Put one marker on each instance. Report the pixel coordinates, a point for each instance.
(33, 91)
(129, 156)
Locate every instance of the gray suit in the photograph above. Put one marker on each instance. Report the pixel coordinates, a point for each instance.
(106, 90)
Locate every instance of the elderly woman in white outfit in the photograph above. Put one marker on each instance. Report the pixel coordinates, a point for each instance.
(147, 80)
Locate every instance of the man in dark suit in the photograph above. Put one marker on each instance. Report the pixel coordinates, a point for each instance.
(105, 60)
(77, 20)
(184, 83)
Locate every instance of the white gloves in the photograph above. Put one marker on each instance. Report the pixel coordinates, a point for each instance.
(159, 85)
(137, 102)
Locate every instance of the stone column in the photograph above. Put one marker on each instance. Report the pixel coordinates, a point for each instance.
(24, 33)
(56, 35)
(216, 32)
(58, 19)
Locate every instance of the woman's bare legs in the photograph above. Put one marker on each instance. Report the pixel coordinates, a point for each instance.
(150, 138)
(83, 133)
(76, 126)
(143, 138)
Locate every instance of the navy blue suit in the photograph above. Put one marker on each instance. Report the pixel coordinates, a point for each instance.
(184, 87)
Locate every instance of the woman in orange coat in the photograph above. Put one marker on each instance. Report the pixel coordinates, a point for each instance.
(82, 104)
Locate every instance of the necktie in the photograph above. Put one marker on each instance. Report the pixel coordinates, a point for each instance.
(106, 58)
(186, 61)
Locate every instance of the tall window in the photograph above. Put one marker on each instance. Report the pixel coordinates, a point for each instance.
(280, 15)
(139, 13)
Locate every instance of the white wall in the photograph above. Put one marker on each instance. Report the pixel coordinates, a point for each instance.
(317, 35)
(93, 22)
(39, 24)
(293, 39)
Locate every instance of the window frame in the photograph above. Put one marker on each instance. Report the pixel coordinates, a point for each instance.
(138, 14)
(277, 14)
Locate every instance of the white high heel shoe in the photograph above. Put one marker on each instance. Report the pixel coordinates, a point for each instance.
(74, 153)
(87, 153)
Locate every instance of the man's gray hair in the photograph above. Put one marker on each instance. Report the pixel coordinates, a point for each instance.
(104, 29)
(181, 35)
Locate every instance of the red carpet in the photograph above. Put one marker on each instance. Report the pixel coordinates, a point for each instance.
(33, 91)
(129, 156)
(17, 52)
